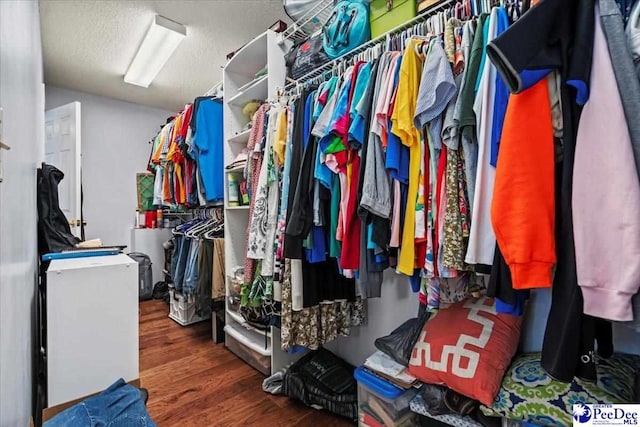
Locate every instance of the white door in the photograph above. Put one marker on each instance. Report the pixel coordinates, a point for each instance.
(62, 150)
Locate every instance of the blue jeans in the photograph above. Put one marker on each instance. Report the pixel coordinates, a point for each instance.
(181, 262)
(118, 406)
(191, 274)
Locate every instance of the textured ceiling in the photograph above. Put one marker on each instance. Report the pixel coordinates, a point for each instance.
(88, 45)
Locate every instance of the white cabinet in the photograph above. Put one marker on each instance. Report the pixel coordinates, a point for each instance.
(92, 325)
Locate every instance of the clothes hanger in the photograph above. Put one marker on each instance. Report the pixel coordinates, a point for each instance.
(180, 229)
(209, 220)
(193, 232)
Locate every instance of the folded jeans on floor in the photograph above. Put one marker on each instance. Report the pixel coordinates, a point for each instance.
(120, 405)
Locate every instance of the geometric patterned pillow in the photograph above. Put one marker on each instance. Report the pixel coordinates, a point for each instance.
(467, 347)
(530, 395)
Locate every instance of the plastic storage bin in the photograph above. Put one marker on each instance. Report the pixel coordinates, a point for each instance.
(242, 344)
(182, 309)
(381, 403)
(145, 275)
(384, 15)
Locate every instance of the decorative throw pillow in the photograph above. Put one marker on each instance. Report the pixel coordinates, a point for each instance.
(529, 394)
(467, 347)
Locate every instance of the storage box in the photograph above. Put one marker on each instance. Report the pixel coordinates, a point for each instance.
(424, 4)
(385, 15)
(381, 403)
(244, 344)
(182, 309)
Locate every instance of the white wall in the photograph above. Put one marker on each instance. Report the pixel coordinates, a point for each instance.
(22, 99)
(399, 303)
(114, 149)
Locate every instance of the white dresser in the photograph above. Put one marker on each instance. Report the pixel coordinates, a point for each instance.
(92, 325)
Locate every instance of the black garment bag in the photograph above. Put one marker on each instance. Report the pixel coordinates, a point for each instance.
(54, 232)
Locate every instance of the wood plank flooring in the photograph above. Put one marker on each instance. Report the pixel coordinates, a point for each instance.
(194, 382)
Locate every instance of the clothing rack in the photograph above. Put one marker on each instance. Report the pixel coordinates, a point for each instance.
(193, 243)
(318, 74)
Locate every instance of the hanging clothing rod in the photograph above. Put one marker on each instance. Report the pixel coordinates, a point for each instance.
(363, 47)
(214, 89)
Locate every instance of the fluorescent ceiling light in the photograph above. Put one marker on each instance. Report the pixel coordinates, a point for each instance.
(161, 40)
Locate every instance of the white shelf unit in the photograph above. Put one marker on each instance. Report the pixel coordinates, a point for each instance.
(241, 85)
(240, 138)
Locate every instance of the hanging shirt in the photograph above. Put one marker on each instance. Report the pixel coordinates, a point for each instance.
(467, 117)
(381, 124)
(437, 87)
(606, 195)
(403, 127)
(482, 239)
(357, 126)
(397, 159)
(209, 141)
(501, 98)
(322, 172)
(376, 185)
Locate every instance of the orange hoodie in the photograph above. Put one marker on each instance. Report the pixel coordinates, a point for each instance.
(523, 207)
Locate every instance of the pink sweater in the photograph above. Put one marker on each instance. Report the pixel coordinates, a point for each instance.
(606, 197)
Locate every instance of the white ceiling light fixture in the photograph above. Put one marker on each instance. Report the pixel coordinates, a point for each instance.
(161, 40)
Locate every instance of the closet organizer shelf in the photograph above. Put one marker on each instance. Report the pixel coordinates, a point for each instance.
(259, 90)
(249, 339)
(240, 138)
(241, 86)
(250, 58)
(238, 169)
(240, 320)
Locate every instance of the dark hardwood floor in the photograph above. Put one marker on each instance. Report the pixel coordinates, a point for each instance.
(194, 382)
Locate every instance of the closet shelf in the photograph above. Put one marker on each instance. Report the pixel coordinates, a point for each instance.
(259, 90)
(240, 320)
(250, 58)
(237, 169)
(241, 138)
(249, 339)
(238, 208)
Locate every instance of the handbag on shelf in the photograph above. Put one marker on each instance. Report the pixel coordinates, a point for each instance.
(347, 28)
(306, 57)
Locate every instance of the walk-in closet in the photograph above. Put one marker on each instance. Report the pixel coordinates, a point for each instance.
(289, 213)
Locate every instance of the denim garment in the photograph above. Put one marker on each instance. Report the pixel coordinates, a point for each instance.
(191, 272)
(118, 406)
(177, 241)
(181, 264)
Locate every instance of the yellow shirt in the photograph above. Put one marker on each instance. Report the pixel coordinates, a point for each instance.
(281, 136)
(403, 127)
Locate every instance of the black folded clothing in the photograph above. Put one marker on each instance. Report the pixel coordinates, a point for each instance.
(321, 378)
(326, 369)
